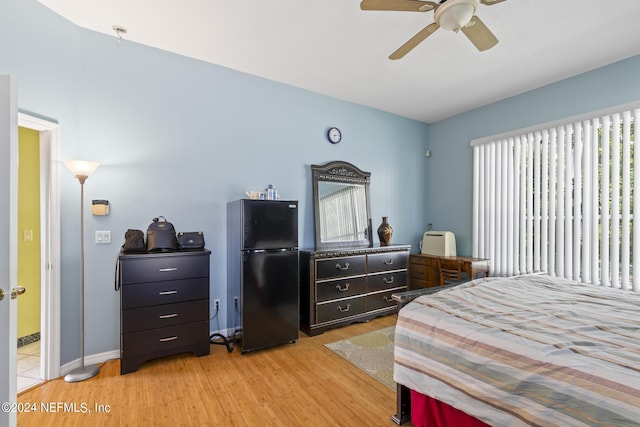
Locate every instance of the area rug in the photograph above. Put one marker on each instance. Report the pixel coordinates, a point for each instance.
(371, 352)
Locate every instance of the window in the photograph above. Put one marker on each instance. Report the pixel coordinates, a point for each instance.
(560, 199)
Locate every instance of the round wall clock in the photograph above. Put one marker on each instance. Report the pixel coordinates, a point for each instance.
(334, 135)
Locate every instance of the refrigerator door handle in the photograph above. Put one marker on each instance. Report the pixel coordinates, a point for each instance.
(259, 251)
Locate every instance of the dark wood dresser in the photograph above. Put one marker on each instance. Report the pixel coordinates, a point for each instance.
(164, 306)
(342, 286)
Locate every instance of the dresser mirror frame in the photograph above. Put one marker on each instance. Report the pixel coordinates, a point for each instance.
(355, 209)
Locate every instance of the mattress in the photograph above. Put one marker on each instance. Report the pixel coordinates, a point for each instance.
(531, 350)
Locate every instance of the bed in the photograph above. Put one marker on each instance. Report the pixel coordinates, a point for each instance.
(527, 350)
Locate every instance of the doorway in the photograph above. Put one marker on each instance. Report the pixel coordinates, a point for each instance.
(46, 354)
(29, 304)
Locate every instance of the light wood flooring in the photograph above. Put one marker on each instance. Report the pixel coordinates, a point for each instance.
(301, 384)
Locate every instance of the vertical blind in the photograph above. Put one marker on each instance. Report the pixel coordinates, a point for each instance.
(560, 199)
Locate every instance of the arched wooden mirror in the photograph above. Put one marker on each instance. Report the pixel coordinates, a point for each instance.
(341, 205)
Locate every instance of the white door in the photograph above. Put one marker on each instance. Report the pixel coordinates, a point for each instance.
(8, 246)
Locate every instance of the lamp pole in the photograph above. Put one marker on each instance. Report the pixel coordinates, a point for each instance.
(81, 170)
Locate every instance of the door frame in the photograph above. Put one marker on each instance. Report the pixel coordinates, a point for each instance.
(49, 241)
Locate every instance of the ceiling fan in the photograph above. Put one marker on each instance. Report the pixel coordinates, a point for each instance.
(453, 15)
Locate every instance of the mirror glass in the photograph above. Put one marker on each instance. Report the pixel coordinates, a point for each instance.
(341, 205)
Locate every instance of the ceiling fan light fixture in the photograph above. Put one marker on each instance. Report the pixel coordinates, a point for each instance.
(455, 14)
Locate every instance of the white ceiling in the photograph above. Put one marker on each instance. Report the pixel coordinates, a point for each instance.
(334, 48)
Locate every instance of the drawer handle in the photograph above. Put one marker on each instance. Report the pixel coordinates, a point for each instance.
(345, 289)
(168, 339)
(164, 270)
(168, 316)
(388, 281)
(388, 298)
(167, 293)
(344, 310)
(388, 262)
(339, 267)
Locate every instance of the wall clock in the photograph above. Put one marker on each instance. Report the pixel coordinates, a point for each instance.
(334, 135)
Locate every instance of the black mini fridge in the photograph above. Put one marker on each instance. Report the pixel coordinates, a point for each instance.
(262, 272)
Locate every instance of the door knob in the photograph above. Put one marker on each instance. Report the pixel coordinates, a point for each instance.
(1, 294)
(15, 292)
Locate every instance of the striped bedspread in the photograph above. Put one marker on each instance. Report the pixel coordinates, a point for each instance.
(531, 350)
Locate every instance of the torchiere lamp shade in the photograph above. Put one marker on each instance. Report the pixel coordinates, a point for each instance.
(81, 169)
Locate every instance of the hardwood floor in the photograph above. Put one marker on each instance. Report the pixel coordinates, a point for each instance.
(301, 384)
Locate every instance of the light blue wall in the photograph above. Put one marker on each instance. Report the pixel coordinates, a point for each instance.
(180, 138)
(449, 170)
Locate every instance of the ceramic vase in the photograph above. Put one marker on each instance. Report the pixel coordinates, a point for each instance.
(384, 232)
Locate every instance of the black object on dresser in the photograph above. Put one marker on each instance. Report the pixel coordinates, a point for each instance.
(164, 301)
(347, 285)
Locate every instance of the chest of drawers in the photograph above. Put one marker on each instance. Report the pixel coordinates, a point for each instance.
(349, 285)
(164, 306)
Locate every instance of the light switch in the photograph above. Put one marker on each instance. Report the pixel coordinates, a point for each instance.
(28, 235)
(103, 237)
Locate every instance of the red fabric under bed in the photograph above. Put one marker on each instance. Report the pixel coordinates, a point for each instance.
(429, 412)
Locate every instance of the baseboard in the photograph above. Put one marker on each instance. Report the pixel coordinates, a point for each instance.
(29, 339)
(93, 359)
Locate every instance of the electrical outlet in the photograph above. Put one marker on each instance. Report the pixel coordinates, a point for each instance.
(216, 304)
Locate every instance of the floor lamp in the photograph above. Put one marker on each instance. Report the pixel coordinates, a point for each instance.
(81, 170)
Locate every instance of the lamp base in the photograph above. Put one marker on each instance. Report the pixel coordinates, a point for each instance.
(82, 373)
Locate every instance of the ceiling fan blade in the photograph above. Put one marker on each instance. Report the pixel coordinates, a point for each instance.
(491, 2)
(481, 37)
(401, 5)
(414, 41)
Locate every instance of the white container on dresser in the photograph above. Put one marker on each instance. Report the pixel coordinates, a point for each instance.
(346, 285)
(164, 300)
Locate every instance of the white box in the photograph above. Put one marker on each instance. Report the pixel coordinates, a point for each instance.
(440, 243)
